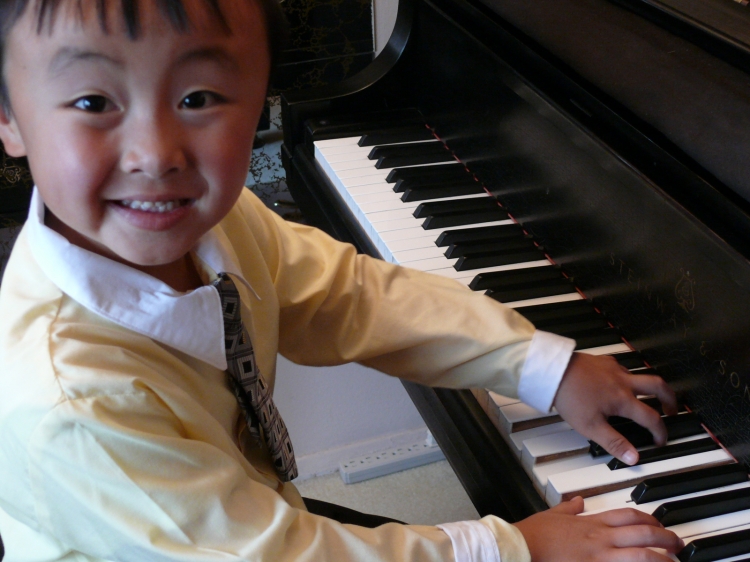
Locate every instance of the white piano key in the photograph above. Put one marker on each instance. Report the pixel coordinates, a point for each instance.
(552, 447)
(393, 202)
(417, 230)
(350, 155)
(517, 439)
(330, 152)
(386, 171)
(565, 297)
(613, 349)
(342, 141)
(520, 416)
(598, 479)
(499, 400)
(424, 241)
(621, 498)
(430, 263)
(406, 256)
(372, 197)
(368, 188)
(376, 180)
(726, 522)
(363, 172)
(542, 472)
(351, 165)
(392, 214)
(742, 527)
(451, 273)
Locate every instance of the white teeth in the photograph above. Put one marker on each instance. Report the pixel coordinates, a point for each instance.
(151, 206)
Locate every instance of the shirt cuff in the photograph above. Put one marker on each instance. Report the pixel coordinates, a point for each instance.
(472, 542)
(546, 360)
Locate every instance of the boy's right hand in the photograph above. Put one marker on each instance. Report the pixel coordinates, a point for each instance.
(621, 535)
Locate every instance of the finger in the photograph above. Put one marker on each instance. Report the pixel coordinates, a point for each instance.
(646, 536)
(647, 417)
(637, 555)
(627, 516)
(572, 507)
(651, 384)
(613, 442)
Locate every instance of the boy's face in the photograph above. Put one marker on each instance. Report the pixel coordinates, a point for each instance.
(137, 147)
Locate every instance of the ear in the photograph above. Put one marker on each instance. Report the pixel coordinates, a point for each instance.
(9, 133)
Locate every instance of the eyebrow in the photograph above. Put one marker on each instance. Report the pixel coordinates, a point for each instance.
(70, 55)
(209, 54)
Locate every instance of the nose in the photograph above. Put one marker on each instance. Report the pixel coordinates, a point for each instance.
(153, 145)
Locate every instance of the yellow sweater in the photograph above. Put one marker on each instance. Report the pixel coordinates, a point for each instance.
(113, 446)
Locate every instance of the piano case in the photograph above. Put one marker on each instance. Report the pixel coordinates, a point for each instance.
(583, 118)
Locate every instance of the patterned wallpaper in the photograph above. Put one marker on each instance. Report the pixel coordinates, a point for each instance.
(329, 41)
(15, 191)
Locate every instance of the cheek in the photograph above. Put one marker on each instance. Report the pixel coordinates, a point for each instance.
(72, 160)
(229, 156)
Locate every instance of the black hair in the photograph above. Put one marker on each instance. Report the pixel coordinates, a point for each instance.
(172, 10)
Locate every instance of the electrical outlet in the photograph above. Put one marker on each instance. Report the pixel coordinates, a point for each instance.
(389, 461)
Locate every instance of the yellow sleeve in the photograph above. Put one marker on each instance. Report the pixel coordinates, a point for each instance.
(337, 306)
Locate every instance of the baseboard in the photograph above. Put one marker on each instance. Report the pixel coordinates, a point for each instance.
(327, 462)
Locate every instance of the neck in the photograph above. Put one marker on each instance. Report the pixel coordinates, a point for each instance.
(181, 274)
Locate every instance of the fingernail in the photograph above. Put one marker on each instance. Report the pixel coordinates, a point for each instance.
(630, 458)
(682, 544)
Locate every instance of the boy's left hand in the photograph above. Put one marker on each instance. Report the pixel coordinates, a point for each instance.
(596, 387)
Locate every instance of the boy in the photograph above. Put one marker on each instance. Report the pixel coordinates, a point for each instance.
(121, 438)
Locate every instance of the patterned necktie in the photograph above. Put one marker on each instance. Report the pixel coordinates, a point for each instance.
(248, 384)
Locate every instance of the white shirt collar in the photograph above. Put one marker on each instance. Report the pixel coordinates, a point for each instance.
(189, 322)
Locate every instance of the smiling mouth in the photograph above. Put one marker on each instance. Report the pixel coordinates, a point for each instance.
(154, 206)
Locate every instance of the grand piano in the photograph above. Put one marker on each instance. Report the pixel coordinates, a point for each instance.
(585, 162)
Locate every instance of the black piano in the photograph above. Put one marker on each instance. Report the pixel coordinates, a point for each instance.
(602, 144)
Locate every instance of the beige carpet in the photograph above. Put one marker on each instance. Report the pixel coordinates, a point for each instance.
(427, 495)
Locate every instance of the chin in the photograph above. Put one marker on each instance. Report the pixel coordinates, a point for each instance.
(139, 260)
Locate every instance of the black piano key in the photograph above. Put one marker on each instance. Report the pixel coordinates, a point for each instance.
(556, 312)
(499, 279)
(442, 192)
(443, 172)
(717, 547)
(630, 360)
(450, 237)
(587, 341)
(479, 261)
(449, 207)
(433, 181)
(548, 289)
(663, 487)
(396, 135)
(685, 425)
(669, 452)
(489, 246)
(651, 401)
(393, 155)
(449, 220)
(358, 125)
(702, 507)
(392, 161)
(579, 325)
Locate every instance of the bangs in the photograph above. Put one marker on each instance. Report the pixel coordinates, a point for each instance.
(172, 11)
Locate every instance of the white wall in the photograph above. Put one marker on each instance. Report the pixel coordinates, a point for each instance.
(384, 17)
(337, 413)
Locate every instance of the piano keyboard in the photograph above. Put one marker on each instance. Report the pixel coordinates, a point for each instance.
(424, 210)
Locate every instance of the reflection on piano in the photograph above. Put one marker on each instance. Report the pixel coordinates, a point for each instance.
(581, 161)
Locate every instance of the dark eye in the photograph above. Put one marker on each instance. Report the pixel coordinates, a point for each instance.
(93, 104)
(196, 100)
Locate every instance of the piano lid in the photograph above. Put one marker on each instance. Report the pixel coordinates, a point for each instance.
(683, 94)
